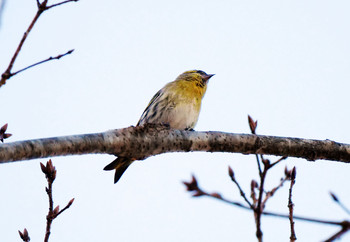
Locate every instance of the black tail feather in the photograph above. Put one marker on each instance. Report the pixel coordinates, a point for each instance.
(112, 165)
(120, 171)
(120, 165)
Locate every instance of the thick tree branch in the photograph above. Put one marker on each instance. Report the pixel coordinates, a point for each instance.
(144, 141)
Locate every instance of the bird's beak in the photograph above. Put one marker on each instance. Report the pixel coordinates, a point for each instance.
(207, 77)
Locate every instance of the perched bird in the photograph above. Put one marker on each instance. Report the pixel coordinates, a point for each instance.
(177, 105)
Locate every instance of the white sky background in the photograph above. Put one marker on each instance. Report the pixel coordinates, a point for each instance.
(285, 63)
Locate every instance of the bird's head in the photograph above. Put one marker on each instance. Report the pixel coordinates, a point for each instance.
(199, 77)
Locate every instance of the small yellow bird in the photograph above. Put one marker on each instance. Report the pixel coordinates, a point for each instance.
(177, 105)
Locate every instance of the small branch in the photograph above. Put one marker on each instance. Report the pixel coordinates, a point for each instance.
(58, 4)
(3, 134)
(336, 200)
(278, 161)
(345, 228)
(193, 187)
(274, 190)
(253, 125)
(24, 236)
(232, 176)
(260, 205)
(258, 163)
(66, 207)
(7, 74)
(42, 7)
(50, 172)
(144, 141)
(291, 206)
(43, 61)
(253, 186)
(345, 224)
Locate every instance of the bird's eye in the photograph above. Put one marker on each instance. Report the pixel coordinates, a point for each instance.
(201, 72)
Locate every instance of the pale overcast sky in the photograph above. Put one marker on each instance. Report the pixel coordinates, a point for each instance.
(286, 63)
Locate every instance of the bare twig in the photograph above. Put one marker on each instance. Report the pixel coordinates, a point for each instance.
(65, 208)
(259, 160)
(253, 125)
(193, 187)
(232, 176)
(278, 161)
(258, 163)
(253, 186)
(345, 228)
(42, 7)
(335, 198)
(50, 172)
(7, 74)
(259, 201)
(3, 134)
(43, 61)
(345, 224)
(57, 4)
(24, 235)
(274, 190)
(260, 205)
(291, 206)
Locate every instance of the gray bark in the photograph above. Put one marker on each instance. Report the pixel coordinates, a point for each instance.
(142, 142)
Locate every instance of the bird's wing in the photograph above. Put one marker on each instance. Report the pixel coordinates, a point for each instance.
(150, 104)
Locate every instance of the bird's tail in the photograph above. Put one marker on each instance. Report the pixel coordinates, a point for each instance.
(120, 165)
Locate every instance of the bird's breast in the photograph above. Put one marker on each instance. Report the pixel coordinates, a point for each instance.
(184, 115)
